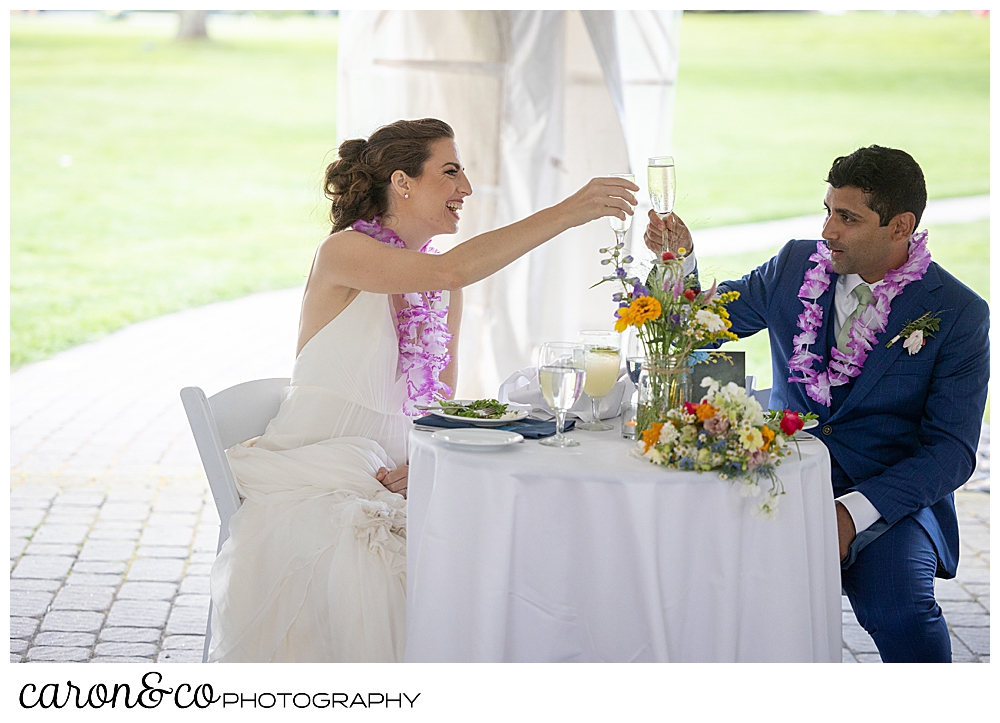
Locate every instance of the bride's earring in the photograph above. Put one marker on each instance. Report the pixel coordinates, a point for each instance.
(406, 195)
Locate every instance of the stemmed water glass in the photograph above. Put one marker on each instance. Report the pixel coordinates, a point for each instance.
(662, 188)
(602, 364)
(561, 374)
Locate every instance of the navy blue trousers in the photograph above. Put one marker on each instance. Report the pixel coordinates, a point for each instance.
(891, 588)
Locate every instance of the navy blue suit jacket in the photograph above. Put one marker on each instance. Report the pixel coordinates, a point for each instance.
(904, 432)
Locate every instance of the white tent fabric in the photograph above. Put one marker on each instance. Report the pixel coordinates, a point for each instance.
(540, 101)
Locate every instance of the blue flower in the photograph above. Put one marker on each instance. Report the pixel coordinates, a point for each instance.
(685, 463)
(639, 290)
(620, 272)
(697, 357)
(605, 262)
(617, 297)
(718, 446)
(627, 260)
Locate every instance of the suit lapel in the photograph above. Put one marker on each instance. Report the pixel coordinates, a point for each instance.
(915, 300)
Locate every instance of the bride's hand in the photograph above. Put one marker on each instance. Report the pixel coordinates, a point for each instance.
(599, 198)
(394, 480)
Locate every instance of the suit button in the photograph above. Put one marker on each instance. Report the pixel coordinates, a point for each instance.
(827, 429)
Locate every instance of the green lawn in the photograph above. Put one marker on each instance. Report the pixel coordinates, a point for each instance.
(765, 102)
(196, 167)
(195, 174)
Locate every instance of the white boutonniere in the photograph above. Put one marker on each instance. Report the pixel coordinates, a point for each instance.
(917, 332)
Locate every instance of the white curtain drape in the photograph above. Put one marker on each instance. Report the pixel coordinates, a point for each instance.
(540, 101)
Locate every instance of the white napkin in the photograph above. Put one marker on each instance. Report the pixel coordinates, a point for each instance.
(522, 387)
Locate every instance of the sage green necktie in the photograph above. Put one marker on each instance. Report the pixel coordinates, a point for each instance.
(864, 296)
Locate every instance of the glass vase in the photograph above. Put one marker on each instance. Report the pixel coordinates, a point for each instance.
(664, 384)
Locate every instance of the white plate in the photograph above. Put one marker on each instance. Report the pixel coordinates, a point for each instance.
(811, 424)
(477, 438)
(512, 415)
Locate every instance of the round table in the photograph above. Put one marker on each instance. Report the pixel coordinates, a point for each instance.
(529, 553)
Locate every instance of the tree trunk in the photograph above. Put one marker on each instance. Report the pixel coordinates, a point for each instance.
(192, 25)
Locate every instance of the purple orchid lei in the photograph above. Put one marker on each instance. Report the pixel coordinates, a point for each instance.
(844, 367)
(422, 329)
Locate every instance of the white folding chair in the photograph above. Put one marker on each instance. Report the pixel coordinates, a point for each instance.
(218, 422)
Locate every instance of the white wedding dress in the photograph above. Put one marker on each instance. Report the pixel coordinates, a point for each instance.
(314, 568)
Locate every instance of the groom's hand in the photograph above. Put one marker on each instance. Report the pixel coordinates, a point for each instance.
(845, 530)
(670, 234)
(394, 480)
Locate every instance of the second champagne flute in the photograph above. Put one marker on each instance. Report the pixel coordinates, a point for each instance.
(617, 225)
(561, 373)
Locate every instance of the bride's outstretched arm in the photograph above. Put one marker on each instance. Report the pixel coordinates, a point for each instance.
(353, 260)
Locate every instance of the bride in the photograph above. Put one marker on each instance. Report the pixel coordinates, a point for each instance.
(314, 568)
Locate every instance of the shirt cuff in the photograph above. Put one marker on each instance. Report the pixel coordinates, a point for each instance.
(861, 510)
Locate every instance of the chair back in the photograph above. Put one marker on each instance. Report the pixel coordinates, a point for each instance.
(763, 396)
(218, 422)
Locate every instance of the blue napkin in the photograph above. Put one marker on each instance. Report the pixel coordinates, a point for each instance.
(527, 428)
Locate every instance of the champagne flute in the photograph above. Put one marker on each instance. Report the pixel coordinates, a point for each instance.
(662, 188)
(561, 373)
(602, 364)
(617, 225)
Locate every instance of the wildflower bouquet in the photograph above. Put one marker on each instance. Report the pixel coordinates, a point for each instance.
(672, 315)
(728, 432)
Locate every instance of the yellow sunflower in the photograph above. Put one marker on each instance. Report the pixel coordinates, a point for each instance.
(644, 309)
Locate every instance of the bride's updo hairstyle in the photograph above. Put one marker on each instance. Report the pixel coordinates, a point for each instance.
(357, 182)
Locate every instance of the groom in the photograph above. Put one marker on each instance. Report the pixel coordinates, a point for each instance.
(892, 352)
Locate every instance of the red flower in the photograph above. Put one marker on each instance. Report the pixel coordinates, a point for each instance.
(667, 256)
(690, 408)
(791, 422)
(690, 294)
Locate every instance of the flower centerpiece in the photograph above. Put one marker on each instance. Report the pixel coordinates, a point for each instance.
(728, 432)
(673, 316)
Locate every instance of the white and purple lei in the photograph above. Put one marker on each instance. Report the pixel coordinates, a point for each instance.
(422, 328)
(873, 320)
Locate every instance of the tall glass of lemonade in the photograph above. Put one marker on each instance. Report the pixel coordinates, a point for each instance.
(601, 360)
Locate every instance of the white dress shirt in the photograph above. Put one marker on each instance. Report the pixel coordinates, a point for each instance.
(845, 302)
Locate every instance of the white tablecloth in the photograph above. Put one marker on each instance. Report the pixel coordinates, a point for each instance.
(530, 553)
